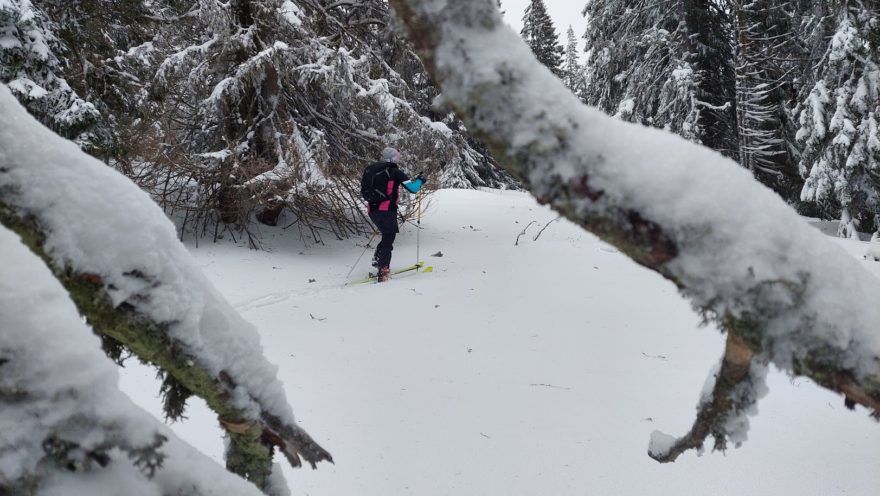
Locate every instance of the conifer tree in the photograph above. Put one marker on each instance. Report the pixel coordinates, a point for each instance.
(574, 77)
(540, 34)
(97, 36)
(839, 117)
(663, 64)
(231, 112)
(707, 24)
(31, 64)
(767, 61)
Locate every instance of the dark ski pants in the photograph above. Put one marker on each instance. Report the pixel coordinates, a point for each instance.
(386, 223)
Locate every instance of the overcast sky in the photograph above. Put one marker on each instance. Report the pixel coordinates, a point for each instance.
(563, 12)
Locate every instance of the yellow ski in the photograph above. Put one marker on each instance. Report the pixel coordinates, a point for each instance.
(372, 277)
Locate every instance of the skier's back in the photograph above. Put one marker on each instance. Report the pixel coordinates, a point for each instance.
(380, 185)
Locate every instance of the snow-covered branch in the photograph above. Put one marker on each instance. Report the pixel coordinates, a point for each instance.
(741, 255)
(118, 256)
(731, 394)
(30, 66)
(66, 425)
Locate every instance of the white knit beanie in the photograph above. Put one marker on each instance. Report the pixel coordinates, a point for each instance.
(391, 155)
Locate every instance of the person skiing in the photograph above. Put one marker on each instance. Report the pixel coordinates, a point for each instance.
(380, 186)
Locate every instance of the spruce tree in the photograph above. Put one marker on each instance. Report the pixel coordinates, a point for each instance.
(98, 36)
(663, 64)
(237, 111)
(707, 25)
(840, 117)
(574, 77)
(767, 61)
(540, 34)
(31, 63)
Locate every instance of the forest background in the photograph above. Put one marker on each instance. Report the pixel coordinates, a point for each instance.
(230, 114)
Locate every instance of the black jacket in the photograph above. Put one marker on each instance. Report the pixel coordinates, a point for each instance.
(395, 178)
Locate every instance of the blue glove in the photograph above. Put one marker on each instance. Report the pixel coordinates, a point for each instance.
(415, 185)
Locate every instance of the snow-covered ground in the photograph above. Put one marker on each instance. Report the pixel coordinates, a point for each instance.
(537, 369)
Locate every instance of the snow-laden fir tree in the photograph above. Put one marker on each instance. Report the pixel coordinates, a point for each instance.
(95, 34)
(540, 34)
(839, 118)
(574, 76)
(663, 64)
(768, 63)
(30, 64)
(292, 101)
(233, 111)
(284, 104)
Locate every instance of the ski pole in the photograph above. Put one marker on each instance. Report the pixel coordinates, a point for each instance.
(362, 254)
(419, 230)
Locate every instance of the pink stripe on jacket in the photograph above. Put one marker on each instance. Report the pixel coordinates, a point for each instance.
(386, 205)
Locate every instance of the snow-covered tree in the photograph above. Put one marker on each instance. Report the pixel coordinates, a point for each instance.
(229, 112)
(574, 76)
(30, 63)
(839, 117)
(663, 64)
(694, 217)
(768, 63)
(96, 34)
(262, 106)
(540, 34)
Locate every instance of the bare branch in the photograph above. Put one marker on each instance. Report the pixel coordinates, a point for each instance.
(725, 401)
(545, 227)
(516, 243)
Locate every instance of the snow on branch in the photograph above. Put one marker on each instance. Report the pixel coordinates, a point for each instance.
(183, 60)
(248, 74)
(66, 426)
(722, 412)
(30, 66)
(742, 256)
(118, 256)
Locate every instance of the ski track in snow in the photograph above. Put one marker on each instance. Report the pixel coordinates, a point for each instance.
(275, 298)
(263, 301)
(519, 370)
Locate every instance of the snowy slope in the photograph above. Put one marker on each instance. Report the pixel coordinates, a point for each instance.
(533, 369)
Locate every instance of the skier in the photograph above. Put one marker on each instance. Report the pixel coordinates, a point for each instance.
(380, 186)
